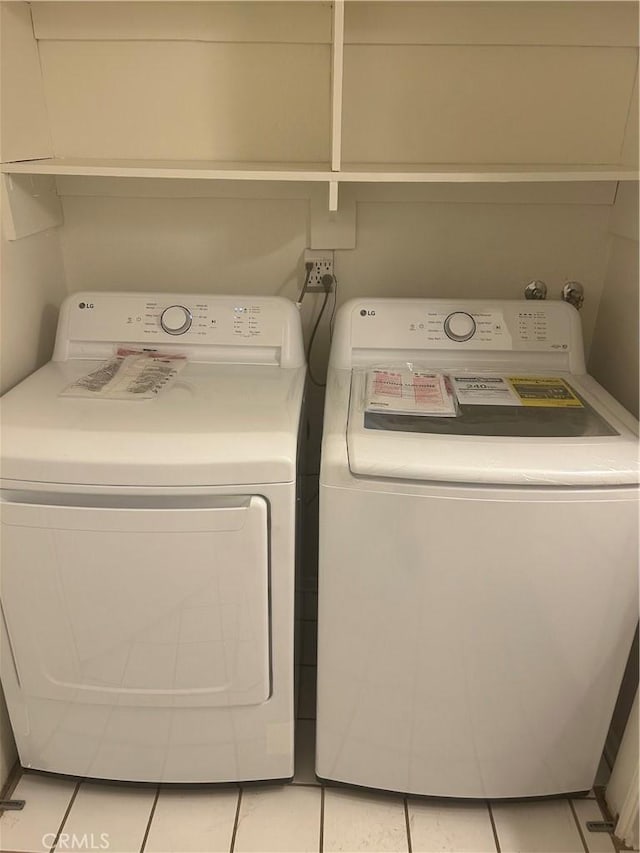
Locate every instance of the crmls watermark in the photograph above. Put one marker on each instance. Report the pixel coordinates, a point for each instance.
(71, 841)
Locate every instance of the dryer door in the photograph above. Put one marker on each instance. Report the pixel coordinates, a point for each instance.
(135, 602)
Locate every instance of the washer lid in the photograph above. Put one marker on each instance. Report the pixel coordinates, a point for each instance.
(216, 425)
(596, 444)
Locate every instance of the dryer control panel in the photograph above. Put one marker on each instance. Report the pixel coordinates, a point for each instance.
(195, 324)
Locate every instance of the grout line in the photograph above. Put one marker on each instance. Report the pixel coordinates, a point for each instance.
(235, 822)
(496, 840)
(407, 823)
(151, 815)
(66, 815)
(575, 817)
(321, 838)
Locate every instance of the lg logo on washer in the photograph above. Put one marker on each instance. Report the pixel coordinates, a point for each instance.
(86, 305)
(365, 313)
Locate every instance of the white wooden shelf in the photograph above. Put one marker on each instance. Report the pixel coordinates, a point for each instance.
(482, 173)
(350, 173)
(204, 170)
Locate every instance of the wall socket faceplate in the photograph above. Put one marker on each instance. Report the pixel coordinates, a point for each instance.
(322, 265)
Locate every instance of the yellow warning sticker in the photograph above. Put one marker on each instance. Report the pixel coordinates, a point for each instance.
(544, 391)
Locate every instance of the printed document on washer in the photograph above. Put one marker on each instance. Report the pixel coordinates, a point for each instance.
(541, 391)
(409, 391)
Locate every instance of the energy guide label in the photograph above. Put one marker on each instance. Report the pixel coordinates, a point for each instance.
(484, 391)
(551, 392)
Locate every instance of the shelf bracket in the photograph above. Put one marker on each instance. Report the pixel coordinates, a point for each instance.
(333, 195)
(331, 228)
(30, 204)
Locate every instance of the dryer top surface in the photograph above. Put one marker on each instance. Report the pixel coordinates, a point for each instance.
(218, 424)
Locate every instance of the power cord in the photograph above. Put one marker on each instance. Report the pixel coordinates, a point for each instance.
(335, 305)
(308, 267)
(327, 281)
(313, 335)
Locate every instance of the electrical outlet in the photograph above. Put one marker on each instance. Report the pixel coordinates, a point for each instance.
(322, 265)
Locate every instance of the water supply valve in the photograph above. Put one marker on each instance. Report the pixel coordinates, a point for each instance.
(573, 293)
(535, 290)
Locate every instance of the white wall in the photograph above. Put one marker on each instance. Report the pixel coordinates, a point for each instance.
(25, 131)
(614, 356)
(614, 362)
(220, 81)
(430, 82)
(31, 275)
(410, 241)
(31, 289)
(622, 791)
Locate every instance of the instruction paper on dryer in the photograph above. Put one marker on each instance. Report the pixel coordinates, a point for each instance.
(131, 375)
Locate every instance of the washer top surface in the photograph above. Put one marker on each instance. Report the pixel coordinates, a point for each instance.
(590, 446)
(591, 441)
(231, 416)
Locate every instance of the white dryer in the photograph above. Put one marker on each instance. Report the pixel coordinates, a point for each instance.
(148, 547)
(478, 588)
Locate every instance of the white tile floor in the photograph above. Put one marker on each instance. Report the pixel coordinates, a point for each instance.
(292, 818)
(302, 816)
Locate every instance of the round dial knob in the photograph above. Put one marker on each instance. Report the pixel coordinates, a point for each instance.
(176, 320)
(459, 326)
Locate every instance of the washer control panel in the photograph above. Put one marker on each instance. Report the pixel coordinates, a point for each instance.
(464, 324)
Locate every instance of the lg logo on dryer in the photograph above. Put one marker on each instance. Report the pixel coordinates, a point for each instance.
(86, 305)
(365, 313)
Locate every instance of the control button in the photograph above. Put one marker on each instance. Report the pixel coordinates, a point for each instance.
(176, 320)
(460, 326)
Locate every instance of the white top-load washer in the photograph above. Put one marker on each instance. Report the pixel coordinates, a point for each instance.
(148, 546)
(478, 588)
